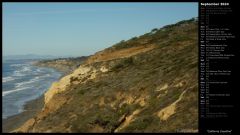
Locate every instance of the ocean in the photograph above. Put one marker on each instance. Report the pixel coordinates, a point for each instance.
(22, 82)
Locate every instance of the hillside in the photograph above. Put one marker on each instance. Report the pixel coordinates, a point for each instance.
(146, 84)
(65, 65)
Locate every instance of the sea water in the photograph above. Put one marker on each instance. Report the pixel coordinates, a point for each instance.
(22, 82)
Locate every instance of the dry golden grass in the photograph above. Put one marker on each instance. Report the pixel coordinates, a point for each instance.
(123, 53)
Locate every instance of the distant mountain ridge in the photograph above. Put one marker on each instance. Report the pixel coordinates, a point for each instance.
(33, 56)
(29, 56)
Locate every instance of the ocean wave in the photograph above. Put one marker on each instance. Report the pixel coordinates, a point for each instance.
(4, 93)
(40, 70)
(25, 69)
(17, 65)
(22, 71)
(37, 72)
(7, 79)
(44, 76)
(18, 73)
(27, 82)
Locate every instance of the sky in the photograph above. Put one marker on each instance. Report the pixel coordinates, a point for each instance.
(80, 29)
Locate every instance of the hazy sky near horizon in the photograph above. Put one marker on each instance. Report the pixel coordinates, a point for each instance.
(77, 29)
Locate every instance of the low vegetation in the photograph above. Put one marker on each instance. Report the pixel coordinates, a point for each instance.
(134, 89)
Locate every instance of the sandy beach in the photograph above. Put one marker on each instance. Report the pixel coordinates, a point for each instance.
(31, 109)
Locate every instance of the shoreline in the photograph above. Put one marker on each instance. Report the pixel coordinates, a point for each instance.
(31, 108)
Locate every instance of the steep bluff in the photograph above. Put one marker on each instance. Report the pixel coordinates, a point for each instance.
(65, 65)
(146, 84)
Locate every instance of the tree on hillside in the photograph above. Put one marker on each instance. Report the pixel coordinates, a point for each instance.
(154, 30)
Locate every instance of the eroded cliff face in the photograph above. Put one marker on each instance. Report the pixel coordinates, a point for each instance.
(62, 85)
(148, 84)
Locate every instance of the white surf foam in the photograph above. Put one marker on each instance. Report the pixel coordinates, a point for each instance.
(18, 73)
(25, 69)
(22, 71)
(44, 76)
(16, 65)
(7, 79)
(4, 93)
(27, 82)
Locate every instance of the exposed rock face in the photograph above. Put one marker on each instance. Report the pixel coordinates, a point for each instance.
(146, 84)
(168, 111)
(62, 85)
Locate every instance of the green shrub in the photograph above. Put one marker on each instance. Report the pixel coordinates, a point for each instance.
(122, 64)
(181, 38)
(72, 79)
(140, 124)
(154, 30)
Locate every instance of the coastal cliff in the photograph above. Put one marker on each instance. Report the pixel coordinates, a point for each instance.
(65, 65)
(146, 84)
